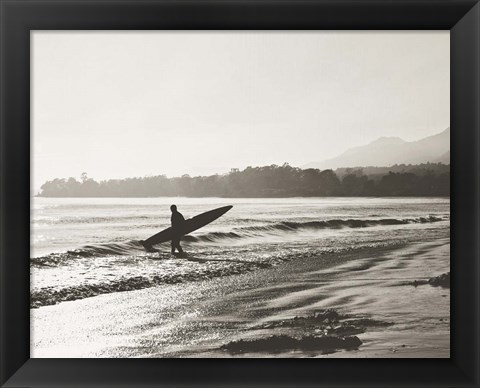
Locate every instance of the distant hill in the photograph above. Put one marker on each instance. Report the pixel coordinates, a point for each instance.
(387, 151)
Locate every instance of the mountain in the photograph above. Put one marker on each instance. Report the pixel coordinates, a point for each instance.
(387, 151)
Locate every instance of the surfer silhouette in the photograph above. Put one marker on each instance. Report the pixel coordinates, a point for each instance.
(180, 228)
(178, 223)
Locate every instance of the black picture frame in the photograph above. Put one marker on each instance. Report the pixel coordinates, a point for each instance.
(19, 17)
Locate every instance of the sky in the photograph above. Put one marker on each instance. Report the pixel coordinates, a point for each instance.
(124, 104)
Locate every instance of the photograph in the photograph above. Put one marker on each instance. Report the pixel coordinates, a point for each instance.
(240, 194)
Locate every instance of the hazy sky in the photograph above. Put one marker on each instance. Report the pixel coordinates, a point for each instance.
(119, 104)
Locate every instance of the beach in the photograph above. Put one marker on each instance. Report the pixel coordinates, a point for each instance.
(368, 293)
(305, 175)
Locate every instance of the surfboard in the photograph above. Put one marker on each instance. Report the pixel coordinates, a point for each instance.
(191, 225)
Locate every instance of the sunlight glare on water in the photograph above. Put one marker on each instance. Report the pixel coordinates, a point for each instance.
(83, 247)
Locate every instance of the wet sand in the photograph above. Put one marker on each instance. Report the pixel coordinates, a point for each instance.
(371, 292)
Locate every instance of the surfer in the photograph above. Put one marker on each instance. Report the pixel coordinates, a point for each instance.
(180, 227)
(178, 223)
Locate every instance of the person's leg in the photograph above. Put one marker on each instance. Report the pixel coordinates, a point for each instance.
(179, 247)
(176, 244)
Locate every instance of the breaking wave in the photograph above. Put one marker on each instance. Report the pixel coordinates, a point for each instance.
(287, 226)
(93, 250)
(50, 296)
(134, 247)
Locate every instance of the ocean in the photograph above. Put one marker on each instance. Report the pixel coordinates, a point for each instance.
(84, 247)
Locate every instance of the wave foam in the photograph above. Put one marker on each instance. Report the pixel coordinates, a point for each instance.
(134, 247)
(50, 296)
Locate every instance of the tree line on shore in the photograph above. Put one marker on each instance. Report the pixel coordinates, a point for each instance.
(430, 179)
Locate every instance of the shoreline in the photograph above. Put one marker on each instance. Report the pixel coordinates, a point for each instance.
(196, 319)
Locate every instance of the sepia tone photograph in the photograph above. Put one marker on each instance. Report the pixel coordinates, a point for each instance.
(255, 194)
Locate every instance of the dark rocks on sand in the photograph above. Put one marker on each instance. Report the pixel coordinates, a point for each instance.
(284, 342)
(328, 321)
(327, 315)
(440, 281)
(323, 317)
(333, 331)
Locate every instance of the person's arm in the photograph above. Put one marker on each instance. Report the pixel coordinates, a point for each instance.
(181, 222)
